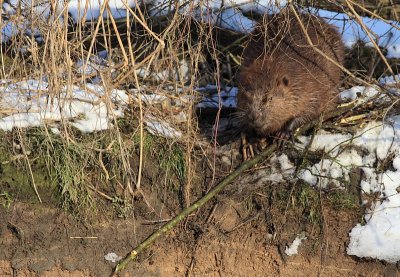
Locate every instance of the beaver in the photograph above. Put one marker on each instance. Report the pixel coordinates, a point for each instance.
(283, 81)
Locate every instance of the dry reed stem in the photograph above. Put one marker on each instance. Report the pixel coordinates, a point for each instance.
(368, 31)
(121, 45)
(29, 166)
(100, 21)
(373, 14)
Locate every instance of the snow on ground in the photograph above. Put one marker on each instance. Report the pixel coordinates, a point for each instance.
(293, 248)
(221, 13)
(28, 105)
(351, 31)
(370, 146)
(225, 97)
(355, 92)
(112, 257)
(380, 236)
(161, 128)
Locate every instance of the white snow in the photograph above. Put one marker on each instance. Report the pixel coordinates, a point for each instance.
(352, 31)
(232, 19)
(334, 171)
(225, 97)
(359, 92)
(161, 128)
(112, 257)
(380, 236)
(393, 51)
(293, 248)
(225, 14)
(326, 141)
(280, 169)
(29, 105)
(389, 80)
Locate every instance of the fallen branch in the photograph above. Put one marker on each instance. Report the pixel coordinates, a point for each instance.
(231, 177)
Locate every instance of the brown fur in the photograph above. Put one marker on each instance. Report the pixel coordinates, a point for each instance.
(283, 81)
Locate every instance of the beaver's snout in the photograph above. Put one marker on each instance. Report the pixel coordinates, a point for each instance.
(255, 115)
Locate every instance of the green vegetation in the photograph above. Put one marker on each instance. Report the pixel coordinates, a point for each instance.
(343, 199)
(70, 172)
(310, 203)
(5, 200)
(172, 159)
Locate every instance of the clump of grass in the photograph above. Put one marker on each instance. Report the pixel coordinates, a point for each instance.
(309, 200)
(150, 142)
(342, 199)
(122, 207)
(172, 160)
(68, 165)
(6, 199)
(170, 157)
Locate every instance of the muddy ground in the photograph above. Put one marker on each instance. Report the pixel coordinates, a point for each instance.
(44, 241)
(241, 232)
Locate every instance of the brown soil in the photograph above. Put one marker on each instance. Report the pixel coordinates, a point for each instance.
(227, 239)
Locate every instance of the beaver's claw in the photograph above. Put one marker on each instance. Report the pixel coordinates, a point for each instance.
(247, 148)
(286, 134)
(283, 137)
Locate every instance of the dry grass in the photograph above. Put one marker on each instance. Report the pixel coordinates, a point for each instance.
(170, 55)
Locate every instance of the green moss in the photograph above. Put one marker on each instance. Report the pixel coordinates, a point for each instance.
(17, 182)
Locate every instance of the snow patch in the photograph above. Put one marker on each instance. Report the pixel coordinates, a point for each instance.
(226, 97)
(112, 257)
(29, 105)
(380, 237)
(358, 92)
(293, 248)
(160, 128)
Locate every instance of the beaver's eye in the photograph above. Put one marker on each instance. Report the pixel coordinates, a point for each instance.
(285, 81)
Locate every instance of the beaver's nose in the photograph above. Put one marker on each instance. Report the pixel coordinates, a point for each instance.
(255, 114)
